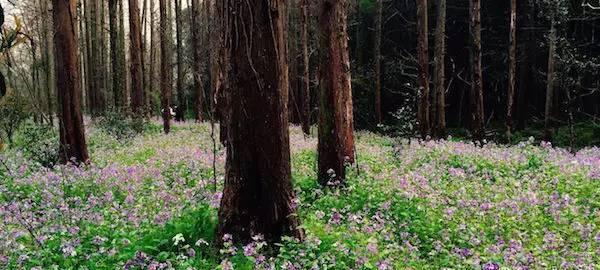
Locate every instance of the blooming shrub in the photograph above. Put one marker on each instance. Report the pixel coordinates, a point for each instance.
(434, 205)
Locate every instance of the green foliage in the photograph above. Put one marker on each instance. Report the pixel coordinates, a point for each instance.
(120, 125)
(38, 142)
(13, 111)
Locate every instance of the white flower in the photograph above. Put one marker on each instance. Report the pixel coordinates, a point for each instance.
(178, 239)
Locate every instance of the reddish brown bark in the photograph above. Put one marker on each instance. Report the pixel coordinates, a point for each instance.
(135, 35)
(336, 134)
(165, 65)
(72, 132)
(477, 112)
(440, 75)
(197, 64)
(423, 59)
(512, 66)
(258, 197)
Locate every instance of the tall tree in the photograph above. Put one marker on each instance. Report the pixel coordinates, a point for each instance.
(551, 78)
(336, 128)
(377, 57)
(258, 196)
(476, 98)
(72, 133)
(180, 63)
(197, 61)
(439, 74)
(305, 11)
(117, 55)
(165, 64)
(135, 37)
(512, 67)
(423, 59)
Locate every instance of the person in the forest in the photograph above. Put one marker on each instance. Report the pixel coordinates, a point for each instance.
(179, 114)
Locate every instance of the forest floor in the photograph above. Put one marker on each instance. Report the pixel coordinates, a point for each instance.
(150, 203)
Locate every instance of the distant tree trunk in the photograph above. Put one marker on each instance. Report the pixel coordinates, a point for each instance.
(165, 65)
(222, 92)
(423, 59)
(180, 62)
(115, 50)
(550, 84)
(377, 56)
(477, 111)
(46, 58)
(512, 66)
(258, 197)
(304, 10)
(440, 73)
(152, 71)
(336, 135)
(121, 54)
(197, 64)
(72, 133)
(135, 36)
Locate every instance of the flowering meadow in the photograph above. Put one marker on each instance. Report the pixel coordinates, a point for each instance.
(151, 203)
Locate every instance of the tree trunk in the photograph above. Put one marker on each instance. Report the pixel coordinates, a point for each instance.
(197, 64)
(152, 71)
(72, 133)
(476, 98)
(165, 65)
(258, 197)
(336, 135)
(135, 36)
(550, 84)
(377, 57)
(423, 59)
(116, 55)
(512, 66)
(304, 10)
(440, 71)
(180, 62)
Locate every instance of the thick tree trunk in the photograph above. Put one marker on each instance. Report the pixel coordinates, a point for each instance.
(197, 64)
(135, 37)
(258, 196)
(440, 71)
(336, 135)
(304, 10)
(512, 66)
(476, 98)
(423, 59)
(72, 133)
(165, 65)
(550, 83)
(180, 62)
(377, 57)
(118, 79)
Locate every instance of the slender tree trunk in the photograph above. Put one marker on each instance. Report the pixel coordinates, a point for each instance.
(150, 95)
(115, 49)
(336, 135)
(258, 197)
(122, 55)
(440, 71)
(477, 111)
(222, 92)
(135, 35)
(165, 65)
(377, 57)
(512, 66)
(304, 10)
(423, 59)
(550, 84)
(197, 65)
(72, 133)
(180, 62)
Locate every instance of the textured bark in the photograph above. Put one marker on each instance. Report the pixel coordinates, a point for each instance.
(336, 135)
(222, 93)
(180, 63)
(117, 55)
(377, 57)
(258, 196)
(72, 133)
(550, 83)
(165, 65)
(512, 66)
(423, 59)
(440, 71)
(197, 64)
(135, 37)
(152, 71)
(304, 10)
(476, 98)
